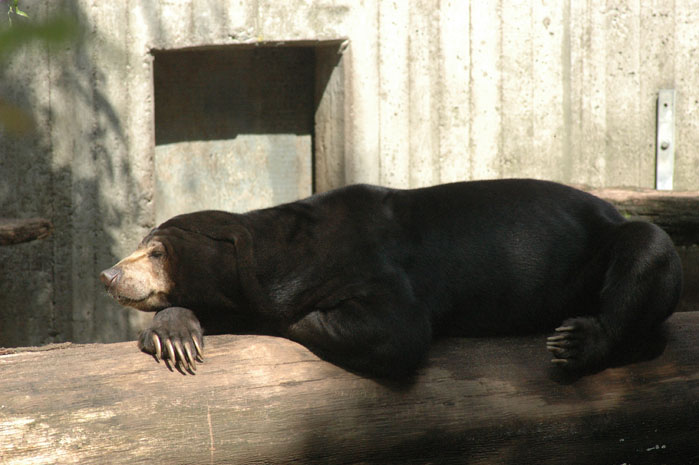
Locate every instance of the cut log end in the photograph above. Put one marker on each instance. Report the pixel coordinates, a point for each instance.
(16, 231)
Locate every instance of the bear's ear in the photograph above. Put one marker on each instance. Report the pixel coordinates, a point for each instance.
(217, 226)
(241, 238)
(223, 226)
(238, 235)
(214, 224)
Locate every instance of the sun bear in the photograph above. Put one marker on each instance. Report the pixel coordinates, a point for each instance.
(366, 277)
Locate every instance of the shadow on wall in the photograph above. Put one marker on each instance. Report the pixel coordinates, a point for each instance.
(233, 127)
(234, 124)
(49, 289)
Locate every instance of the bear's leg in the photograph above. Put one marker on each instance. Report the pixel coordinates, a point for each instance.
(372, 336)
(175, 335)
(640, 289)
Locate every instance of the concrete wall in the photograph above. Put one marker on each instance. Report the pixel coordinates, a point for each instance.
(241, 119)
(405, 93)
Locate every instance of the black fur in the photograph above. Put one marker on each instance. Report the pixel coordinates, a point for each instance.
(367, 276)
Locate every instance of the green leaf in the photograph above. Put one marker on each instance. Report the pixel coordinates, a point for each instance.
(54, 30)
(21, 13)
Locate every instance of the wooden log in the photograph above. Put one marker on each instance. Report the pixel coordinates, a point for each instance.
(15, 231)
(675, 211)
(261, 399)
(690, 270)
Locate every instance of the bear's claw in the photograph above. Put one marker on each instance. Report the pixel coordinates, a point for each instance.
(579, 344)
(158, 347)
(175, 336)
(562, 345)
(197, 347)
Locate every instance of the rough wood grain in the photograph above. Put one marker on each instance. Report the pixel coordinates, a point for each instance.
(267, 400)
(15, 231)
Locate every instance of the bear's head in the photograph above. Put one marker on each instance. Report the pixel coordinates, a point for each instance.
(143, 280)
(190, 261)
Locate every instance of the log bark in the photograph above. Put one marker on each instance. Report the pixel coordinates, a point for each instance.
(676, 212)
(261, 399)
(15, 231)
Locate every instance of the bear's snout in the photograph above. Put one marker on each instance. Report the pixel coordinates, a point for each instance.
(139, 280)
(109, 276)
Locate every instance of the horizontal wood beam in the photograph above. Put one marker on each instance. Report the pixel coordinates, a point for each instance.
(15, 230)
(261, 399)
(677, 212)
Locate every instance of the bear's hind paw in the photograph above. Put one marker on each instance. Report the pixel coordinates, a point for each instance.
(563, 345)
(578, 344)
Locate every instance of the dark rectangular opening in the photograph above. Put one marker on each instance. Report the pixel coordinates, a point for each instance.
(235, 125)
(219, 93)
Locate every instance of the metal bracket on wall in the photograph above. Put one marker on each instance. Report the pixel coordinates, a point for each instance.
(665, 141)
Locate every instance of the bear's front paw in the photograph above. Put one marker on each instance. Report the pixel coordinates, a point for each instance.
(175, 335)
(579, 344)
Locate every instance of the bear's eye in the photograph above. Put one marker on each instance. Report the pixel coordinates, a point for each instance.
(155, 253)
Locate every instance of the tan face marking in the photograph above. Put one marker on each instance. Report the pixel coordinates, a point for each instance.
(140, 280)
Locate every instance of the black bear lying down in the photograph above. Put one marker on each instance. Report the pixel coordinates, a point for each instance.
(367, 276)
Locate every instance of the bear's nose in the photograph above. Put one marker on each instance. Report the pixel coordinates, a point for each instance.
(108, 276)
